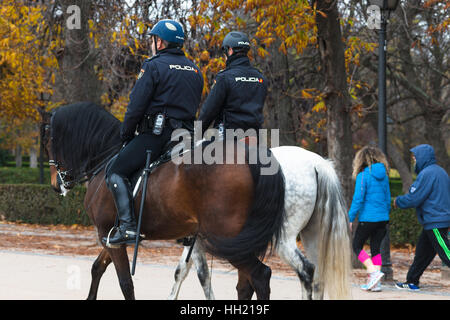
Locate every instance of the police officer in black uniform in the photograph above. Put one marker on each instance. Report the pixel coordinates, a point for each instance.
(237, 97)
(166, 95)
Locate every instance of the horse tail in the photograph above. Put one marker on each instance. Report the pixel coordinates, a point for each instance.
(334, 255)
(264, 223)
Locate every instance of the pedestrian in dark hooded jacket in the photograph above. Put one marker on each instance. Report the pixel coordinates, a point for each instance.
(430, 195)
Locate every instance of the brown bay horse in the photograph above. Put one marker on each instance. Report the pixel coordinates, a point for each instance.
(236, 211)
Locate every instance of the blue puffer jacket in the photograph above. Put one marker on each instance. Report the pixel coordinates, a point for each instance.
(372, 196)
(430, 193)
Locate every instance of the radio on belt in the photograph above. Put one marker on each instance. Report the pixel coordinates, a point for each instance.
(159, 124)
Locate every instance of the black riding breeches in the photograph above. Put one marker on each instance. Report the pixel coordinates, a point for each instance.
(133, 156)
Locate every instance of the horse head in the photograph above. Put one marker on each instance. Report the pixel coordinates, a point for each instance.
(61, 180)
(78, 138)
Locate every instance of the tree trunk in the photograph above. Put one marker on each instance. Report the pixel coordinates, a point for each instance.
(77, 79)
(279, 111)
(339, 136)
(33, 157)
(18, 156)
(401, 166)
(434, 135)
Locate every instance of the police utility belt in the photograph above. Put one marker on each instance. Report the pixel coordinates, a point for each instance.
(155, 123)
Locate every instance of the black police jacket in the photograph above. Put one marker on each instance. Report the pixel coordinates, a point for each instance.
(237, 97)
(169, 83)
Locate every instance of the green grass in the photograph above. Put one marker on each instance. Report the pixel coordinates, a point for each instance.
(13, 175)
(25, 164)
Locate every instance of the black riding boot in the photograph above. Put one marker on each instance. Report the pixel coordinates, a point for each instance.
(123, 198)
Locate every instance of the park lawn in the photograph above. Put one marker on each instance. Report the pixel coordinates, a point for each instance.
(13, 175)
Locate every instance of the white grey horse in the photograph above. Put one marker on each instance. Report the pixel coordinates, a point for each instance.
(315, 208)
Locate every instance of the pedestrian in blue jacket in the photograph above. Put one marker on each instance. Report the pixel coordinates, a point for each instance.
(372, 203)
(430, 195)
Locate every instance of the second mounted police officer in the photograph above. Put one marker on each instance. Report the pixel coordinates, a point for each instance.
(237, 97)
(166, 95)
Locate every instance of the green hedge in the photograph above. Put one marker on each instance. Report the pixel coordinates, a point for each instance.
(34, 203)
(404, 227)
(395, 185)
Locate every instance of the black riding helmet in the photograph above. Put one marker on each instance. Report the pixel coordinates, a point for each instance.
(236, 40)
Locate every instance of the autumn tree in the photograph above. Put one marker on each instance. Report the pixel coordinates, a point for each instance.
(417, 80)
(319, 57)
(26, 73)
(25, 68)
(284, 41)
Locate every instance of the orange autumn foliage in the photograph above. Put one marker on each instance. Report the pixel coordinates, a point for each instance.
(24, 64)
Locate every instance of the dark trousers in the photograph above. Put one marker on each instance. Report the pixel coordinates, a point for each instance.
(133, 156)
(430, 243)
(375, 231)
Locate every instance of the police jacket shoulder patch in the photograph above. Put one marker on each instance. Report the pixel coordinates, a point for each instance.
(153, 57)
(141, 73)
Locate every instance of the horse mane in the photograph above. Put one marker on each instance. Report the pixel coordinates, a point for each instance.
(84, 135)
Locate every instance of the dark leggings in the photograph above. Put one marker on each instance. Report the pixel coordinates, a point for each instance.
(373, 230)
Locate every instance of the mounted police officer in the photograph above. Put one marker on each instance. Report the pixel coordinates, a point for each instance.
(166, 96)
(237, 97)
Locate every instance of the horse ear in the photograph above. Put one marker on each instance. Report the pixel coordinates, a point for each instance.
(46, 116)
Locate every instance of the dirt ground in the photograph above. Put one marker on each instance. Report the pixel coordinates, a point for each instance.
(82, 241)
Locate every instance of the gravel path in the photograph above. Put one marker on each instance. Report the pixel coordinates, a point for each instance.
(54, 262)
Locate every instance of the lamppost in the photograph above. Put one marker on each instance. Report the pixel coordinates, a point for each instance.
(385, 7)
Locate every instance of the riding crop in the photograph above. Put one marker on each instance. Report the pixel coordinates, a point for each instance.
(141, 209)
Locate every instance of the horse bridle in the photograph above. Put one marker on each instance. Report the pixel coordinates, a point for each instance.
(62, 175)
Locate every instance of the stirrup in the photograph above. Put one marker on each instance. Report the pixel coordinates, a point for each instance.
(109, 245)
(115, 246)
